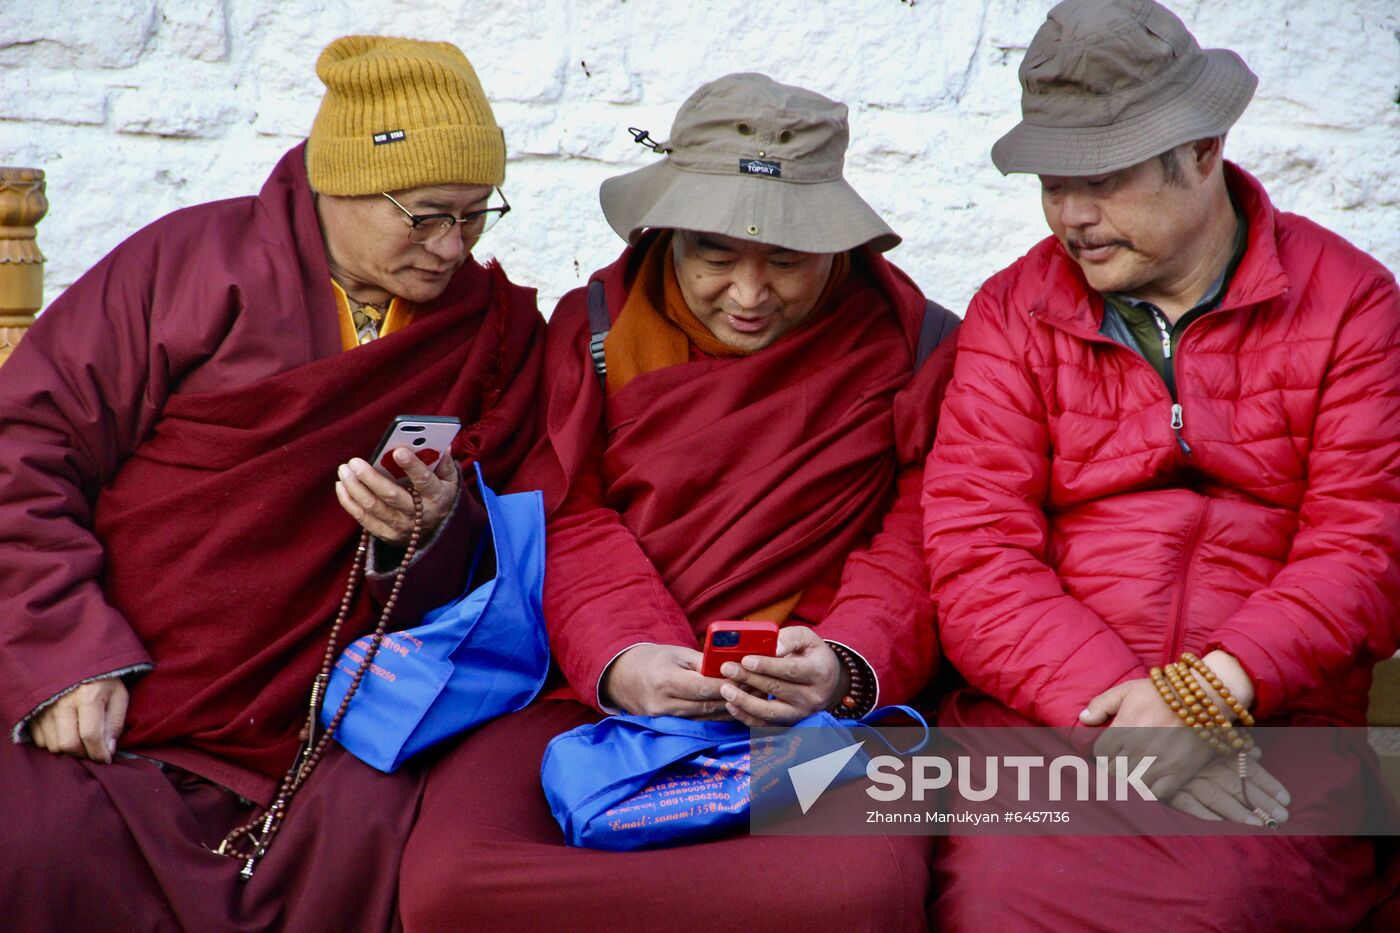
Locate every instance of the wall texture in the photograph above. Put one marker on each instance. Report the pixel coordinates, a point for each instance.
(137, 107)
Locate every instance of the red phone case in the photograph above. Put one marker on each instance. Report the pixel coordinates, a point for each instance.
(747, 637)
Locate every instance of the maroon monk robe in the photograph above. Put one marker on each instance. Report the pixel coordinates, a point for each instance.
(723, 485)
(486, 854)
(227, 550)
(197, 372)
(730, 483)
(127, 848)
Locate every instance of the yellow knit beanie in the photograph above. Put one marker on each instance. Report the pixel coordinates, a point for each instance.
(401, 113)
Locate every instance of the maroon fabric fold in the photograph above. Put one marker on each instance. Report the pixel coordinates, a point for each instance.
(218, 317)
(742, 478)
(171, 428)
(227, 550)
(486, 854)
(127, 848)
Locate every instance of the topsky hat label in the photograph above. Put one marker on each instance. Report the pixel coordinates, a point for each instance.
(760, 167)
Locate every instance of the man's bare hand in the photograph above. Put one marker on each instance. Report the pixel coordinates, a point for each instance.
(1131, 703)
(384, 508)
(1215, 793)
(1141, 725)
(662, 680)
(85, 723)
(804, 678)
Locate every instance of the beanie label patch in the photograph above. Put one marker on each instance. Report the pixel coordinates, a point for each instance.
(389, 136)
(761, 167)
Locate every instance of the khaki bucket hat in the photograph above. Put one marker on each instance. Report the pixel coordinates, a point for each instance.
(755, 160)
(1110, 83)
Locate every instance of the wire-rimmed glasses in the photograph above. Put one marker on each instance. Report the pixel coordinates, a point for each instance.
(425, 228)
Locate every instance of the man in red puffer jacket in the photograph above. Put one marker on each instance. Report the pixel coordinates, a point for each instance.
(1174, 426)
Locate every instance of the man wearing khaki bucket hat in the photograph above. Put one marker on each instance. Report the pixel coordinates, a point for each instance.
(1164, 494)
(183, 495)
(738, 410)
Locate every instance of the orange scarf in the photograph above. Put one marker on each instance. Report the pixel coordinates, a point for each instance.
(656, 328)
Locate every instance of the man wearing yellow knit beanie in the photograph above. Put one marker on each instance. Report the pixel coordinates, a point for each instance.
(181, 436)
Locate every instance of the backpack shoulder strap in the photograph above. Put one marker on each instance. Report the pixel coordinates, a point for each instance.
(938, 323)
(598, 326)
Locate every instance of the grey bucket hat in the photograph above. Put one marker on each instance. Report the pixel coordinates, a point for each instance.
(755, 160)
(1110, 83)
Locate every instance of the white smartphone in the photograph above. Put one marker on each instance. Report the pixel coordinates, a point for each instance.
(429, 437)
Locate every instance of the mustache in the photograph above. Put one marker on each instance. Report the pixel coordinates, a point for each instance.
(1077, 244)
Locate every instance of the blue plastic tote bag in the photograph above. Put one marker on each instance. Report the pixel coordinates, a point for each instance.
(642, 782)
(479, 657)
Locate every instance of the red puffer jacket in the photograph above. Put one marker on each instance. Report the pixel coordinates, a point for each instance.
(1073, 541)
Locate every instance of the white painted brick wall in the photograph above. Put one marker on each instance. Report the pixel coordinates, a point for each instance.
(137, 107)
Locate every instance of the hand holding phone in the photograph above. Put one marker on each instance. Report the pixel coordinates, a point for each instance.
(732, 641)
(428, 437)
(803, 676)
(372, 491)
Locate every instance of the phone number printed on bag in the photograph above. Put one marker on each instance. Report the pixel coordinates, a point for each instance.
(356, 658)
(712, 786)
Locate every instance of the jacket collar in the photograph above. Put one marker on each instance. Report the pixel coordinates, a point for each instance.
(1061, 296)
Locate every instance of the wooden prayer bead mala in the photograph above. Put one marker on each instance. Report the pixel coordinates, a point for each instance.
(1183, 694)
(1180, 691)
(1241, 714)
(242, 842)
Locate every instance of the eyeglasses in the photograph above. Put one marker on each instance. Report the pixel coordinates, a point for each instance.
(426, 228)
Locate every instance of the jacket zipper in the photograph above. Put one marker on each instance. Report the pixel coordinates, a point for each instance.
(1177, 413)
(1165, 331)
(1176, 426)
(1193, 540)
(1169, 384)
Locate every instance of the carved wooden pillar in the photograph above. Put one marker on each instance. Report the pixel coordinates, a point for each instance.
(22, 205)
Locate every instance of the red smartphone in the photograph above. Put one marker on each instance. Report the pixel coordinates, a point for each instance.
(731, 641)
(428, 436)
